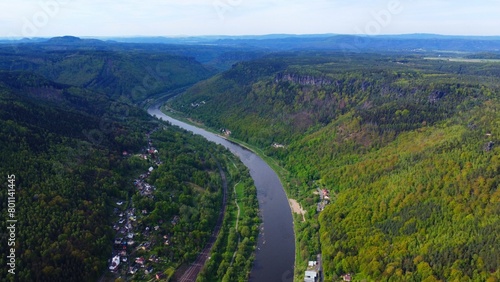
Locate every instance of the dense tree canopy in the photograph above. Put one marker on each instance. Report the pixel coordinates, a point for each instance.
(406, 146)
(65, 145)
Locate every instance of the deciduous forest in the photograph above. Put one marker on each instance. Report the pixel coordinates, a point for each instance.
(393, 156)
(76, 150)
(406, 147)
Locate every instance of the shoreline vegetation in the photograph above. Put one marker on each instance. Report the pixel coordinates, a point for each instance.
(283, 175)
(343, 126)
(388, 155)
(233, 252)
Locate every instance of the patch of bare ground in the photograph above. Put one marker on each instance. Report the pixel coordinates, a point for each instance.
(296, 208)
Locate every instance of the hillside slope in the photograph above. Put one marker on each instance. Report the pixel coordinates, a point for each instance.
(64, 147)
(406, 147)
(131, 75)
(63, 144)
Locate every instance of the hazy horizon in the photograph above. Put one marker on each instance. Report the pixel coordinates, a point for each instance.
(271, 35)
(168, 18)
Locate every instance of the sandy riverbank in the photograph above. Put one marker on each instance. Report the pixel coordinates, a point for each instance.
(296, 208)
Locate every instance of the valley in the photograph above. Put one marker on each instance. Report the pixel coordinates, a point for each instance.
(378, 163)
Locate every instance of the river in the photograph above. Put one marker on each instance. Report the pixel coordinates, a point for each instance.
(275, 255)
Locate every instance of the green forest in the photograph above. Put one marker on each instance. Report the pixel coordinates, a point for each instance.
(128, 75)
(76, 151)
(233, 252)
(64, 145)
(407, 148)
(394, 158)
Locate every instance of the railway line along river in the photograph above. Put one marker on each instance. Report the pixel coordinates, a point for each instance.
(275, 254)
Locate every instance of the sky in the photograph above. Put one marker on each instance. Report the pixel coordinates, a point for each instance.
(121, 18)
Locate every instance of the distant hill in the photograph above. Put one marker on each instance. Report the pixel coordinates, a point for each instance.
(349, 43)
(130, 75)
(338, 42)
(291, 42)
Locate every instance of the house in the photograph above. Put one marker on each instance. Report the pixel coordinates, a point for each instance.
(311, 276)
(115, 263)
(347, 277)
(313, 271)
(140, 261)
(133, 269)
(148, 270)
(160, 276)
(175, 220)
(278, 146)
(144, 246)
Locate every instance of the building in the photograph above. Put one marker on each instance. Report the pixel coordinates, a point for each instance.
(313, 271)
(347, 277)
(311, 276)
(115, 263)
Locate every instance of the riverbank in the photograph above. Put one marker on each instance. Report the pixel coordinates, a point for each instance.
(275, 255)
(297, 208)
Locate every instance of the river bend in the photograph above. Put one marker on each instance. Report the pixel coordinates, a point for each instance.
(275, 255)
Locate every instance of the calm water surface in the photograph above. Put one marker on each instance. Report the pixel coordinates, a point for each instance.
(275, 254)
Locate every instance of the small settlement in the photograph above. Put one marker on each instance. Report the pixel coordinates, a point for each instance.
(124, 259)
(324, 199)
(313, 272)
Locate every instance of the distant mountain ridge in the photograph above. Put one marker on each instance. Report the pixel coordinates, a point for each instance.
(291, 42)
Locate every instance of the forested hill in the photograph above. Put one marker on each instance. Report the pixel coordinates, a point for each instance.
(63, 144)
(130, 75)
(71, 155)
(407, 147)
(277, 98)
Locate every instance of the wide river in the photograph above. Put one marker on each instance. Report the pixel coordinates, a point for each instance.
(275, 255)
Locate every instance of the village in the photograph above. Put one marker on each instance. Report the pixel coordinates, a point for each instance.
(133, 242)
